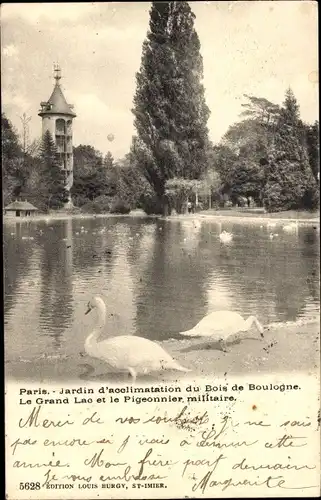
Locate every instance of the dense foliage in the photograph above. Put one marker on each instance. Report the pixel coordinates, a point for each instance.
(289, 179)
(90, 176)
(103, 185)
(35, 175)
(53, 178)
(269, 157)
(13, 177)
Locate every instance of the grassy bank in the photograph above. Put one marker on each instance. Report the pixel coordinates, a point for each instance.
(285, 348)
(261, 214)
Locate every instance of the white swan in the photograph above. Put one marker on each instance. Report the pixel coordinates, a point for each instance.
(127, 353)
(273, 235)
(291, 227)
(221, 325)
(226, 237)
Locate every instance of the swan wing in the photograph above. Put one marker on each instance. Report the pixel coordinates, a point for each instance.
(138, 353)
(217, 324)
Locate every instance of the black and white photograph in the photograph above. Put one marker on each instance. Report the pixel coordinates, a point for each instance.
(160, 172)
(161, 235)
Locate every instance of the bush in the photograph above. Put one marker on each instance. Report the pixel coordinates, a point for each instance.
(99, 205)
(119, 206)
(91, 207)
(151, 205)
(80, 200)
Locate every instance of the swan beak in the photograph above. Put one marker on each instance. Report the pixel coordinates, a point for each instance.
(88, 310)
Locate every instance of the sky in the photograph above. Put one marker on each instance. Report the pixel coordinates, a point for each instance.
(254, 47)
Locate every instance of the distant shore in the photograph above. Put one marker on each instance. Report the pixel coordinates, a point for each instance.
(286, 347)
(250, 215)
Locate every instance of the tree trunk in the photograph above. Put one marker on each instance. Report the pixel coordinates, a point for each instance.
(164, 205)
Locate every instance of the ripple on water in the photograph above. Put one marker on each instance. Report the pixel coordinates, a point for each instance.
(157, 277)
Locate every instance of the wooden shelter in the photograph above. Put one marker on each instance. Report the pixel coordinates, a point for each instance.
(20, 209)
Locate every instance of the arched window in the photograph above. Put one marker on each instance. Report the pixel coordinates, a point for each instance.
(60, 126)
(69, 127)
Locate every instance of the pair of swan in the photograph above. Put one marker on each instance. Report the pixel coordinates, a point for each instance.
(137, 355)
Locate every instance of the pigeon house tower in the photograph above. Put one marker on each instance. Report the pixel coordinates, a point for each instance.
(57, 117)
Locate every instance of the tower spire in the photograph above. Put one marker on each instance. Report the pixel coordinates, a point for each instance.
(57, 73)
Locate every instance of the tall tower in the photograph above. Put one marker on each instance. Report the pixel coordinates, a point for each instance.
(57, 116)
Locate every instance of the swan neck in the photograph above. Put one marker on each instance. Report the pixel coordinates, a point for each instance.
(249, 322)
(101, 320)
(101, 314)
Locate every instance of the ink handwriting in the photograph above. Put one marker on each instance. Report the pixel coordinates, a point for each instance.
(203, 450)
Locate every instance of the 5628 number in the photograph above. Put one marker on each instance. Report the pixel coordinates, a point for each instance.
(29, 486)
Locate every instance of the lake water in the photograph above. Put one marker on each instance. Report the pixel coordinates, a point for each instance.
(158, 277)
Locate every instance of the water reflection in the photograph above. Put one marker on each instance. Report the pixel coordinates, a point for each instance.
(56, 297)
(172, 292)
(158, 277)
(17, 259)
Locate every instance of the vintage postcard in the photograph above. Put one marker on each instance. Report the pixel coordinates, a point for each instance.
(160, 173)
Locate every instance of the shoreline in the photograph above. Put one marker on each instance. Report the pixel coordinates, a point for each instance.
(236, 216)
(291, 347)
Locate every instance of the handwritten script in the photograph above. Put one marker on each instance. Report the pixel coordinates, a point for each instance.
(243, 446)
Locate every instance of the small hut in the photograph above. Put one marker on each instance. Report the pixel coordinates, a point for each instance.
(20, 209)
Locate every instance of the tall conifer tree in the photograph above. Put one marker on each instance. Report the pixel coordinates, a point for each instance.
(169, 104)
(54, 179)
(289, 180)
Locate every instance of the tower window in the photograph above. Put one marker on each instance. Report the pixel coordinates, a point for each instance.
(60, 126)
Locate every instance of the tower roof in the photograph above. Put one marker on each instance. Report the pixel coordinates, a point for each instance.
(57, 103)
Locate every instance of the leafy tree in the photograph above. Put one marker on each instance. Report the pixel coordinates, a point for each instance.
(103, 185)
(11, 148)
(35, 188)
(92, 178)
(109, 160)
(169, 104)
(86, 159)
(247, 180)
(12, 161)
(211, 187)
(260, 110)
(18, 162)
(53, 177)
(243, 151)
(179, 190)
(131, 185)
